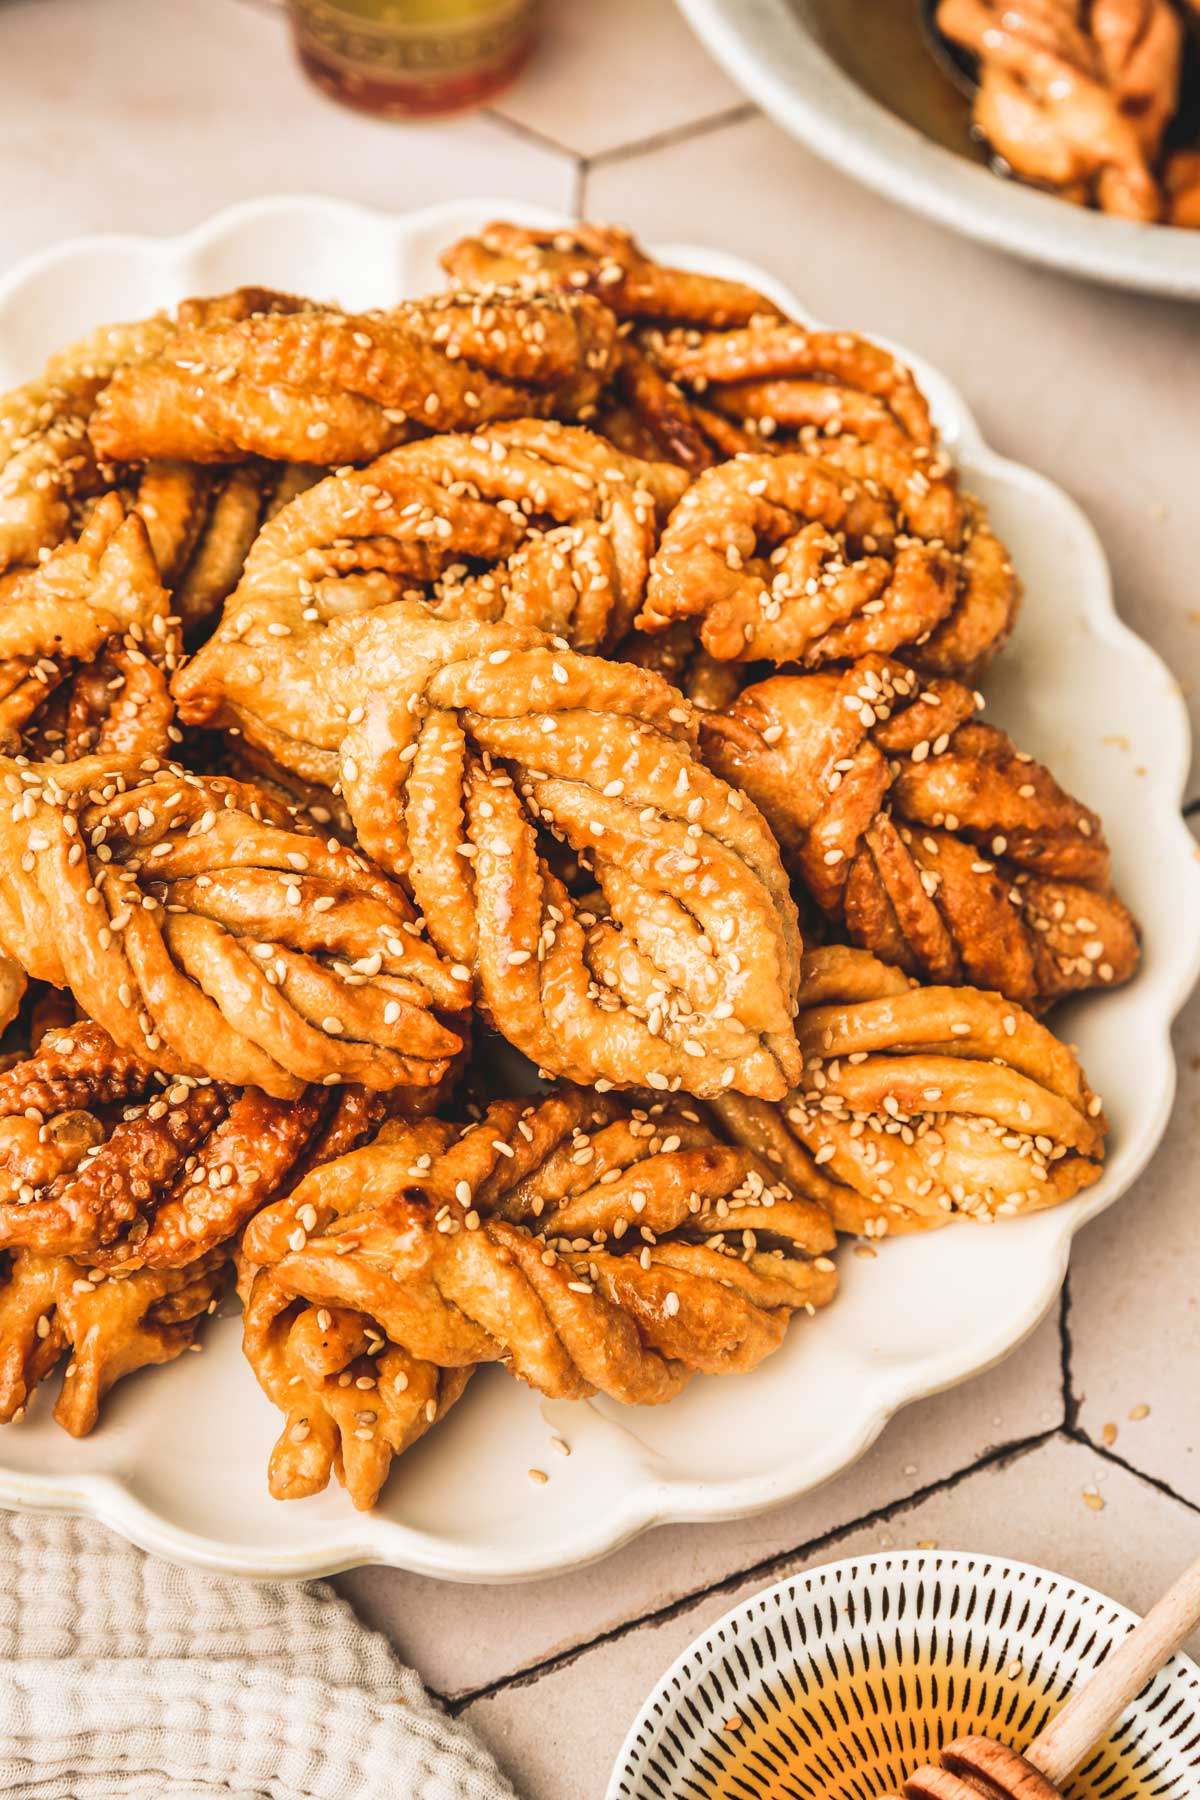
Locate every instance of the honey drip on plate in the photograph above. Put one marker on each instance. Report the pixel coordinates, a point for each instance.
(821, 1732)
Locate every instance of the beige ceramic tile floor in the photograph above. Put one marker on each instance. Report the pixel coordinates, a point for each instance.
(132, 114)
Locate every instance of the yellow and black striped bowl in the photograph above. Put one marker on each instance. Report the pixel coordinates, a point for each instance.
(838, 1684)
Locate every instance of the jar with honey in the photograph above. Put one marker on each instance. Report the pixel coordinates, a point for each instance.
(404, 59)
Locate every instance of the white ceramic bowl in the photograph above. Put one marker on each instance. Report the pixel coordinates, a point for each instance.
(839, 1683)
(771, 50)
(179, 1462)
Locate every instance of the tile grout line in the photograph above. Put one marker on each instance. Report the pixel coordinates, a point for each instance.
(529, 134)
(675, 134)
(659, 140)
(1078, 1435)
(999, 1456)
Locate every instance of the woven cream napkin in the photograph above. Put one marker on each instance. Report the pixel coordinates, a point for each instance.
(123, 1676)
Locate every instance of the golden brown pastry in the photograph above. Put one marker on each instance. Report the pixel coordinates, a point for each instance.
(329, 388)
(49, 467)
(1076, 97)
(926, 834)
(922, 1104)
(51, 1306)
(707, 368)
(202, 520)
(820, 559)
(206, 931)
(536, 522)
(605, 261)
(87, 646)
(351, 1401)
(588, 1245)
(680, 658)
(106, 1159)
(457, 746)
(46, 464)
(1181, 181)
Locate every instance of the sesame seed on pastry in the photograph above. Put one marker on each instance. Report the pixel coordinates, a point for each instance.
(926, 834)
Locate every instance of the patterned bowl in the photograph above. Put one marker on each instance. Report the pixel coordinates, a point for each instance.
(837, 1684)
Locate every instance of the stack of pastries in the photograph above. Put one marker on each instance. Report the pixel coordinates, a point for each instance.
(579, 660)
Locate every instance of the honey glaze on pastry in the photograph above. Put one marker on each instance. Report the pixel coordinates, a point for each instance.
(455, 746)
(918, 1105)
(328, 387)
(928, 835)
(50, 1307)
(352, 1402)
(196, 922)
(818, 559)
(591, 1246)
(87, 646)
(535, 522)
(706, 367)
(105, 1158)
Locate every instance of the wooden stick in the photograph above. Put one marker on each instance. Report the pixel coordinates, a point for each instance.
(1087, 1716)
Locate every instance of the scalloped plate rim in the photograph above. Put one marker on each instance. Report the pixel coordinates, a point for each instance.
(373, 1538)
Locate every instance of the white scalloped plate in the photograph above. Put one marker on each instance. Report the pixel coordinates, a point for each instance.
(179, 1463)
(850, 1676)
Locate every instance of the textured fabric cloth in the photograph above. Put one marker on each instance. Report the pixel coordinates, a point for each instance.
(122, 1676)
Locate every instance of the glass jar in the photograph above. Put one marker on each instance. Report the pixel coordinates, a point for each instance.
(403, 59)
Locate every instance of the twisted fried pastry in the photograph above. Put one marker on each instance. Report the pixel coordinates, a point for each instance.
(587, 1245)
(87, 645)
(329, 388)
(539, 523)
(922, 1104)
(707, 368)
(1076, 98)
(104, 1158)
(210, 934)
(454, 744)
(50, 1305)
(926, 834)
(605, 261)
(202, 520)
(352, 1402)
(680, 658)
(820, 559)
(48, 463)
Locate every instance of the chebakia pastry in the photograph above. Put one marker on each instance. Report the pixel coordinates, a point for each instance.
(107, 1159)
(207, 932)
(201, 520)
(352, 1402)
(379, 687)
(87, 646)
(1077, 98)
(818, 559)
(122, 1192)
(588, 1245)
(457, 748)
(534, 522)
(50, 468)
(706, 367)
(50, 1307)
(925, 834)
(328, 387)
(922, 1104)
